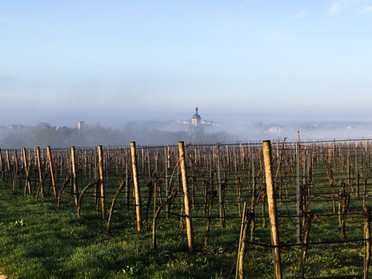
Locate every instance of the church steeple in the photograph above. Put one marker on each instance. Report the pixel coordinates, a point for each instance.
(195, 121)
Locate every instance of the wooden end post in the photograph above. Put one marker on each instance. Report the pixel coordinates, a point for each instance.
(273, 214)
(51, 170)
(74, 175)
(181, 150)
(136, 186)
(40, 172)
(101, 182)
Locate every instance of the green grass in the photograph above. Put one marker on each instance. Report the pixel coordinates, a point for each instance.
(39, 241)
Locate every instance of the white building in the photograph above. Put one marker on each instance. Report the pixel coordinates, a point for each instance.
(196, 119)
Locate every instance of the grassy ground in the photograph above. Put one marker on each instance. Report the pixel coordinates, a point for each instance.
(38, 241)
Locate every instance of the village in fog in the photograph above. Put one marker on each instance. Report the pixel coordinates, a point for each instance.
(194, 130)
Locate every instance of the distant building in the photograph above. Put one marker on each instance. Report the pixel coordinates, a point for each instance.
(196, 119)
(197, 122)
(80, 125)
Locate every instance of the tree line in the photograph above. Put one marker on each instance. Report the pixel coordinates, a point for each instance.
(45, 134)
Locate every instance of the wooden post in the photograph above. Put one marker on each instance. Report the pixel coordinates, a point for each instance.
(307, 226)
(166, 163)
(74, 175)
(254, 194)
(136, 186)
(356, 175)
(348, 165)
(51, 170)
(127, 179)
(181, 150)
(367, 237)
(16, 169)
(155, 178)
(271, 200)
(299, 193)
(246, 219)
(2, 170)
(7, 157)
(101, 182)
(40, 172)
(220, 191)
(27, 189)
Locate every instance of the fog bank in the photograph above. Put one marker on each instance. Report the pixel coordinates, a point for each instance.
(240, 129)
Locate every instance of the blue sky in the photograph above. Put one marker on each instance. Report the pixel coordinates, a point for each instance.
(114, 61)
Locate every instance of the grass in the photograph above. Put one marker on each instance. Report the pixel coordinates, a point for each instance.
(39, 241)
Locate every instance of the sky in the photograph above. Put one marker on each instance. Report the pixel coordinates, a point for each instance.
(114, 61)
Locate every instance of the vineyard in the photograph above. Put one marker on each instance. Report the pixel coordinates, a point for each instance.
(244, 210)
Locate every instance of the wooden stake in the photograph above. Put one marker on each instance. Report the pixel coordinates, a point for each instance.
(27, 189)
(40, 172)
(7, 157)
(299, 193)
(220, 191)
(306, 237)
(136, 186)
(16, 169)
(2, 169)
(75, 192)
(271, 200)
(246, 219)
(51, 170)
(127, 179)
(367, 237)
(101, 182)
(254, 196)
(181, 150)
(166, 166)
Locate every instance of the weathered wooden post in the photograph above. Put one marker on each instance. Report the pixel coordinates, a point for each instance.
(299, 193)
(254, 194)
(101, 182)
(9, 169)
(16, 170)
(246, 219)
(40, 172)
(181, 150)
(51, 170)
(220, 191)
(127, 179)
(27, 189)
(2, 170)
(271, 200)
(166, 166)
(75, 192)
(367, 236)
(137, 194)
(357, 175)
(307, 225)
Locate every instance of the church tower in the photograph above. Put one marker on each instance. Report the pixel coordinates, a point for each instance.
(196, 119)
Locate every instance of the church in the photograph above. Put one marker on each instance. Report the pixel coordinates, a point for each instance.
(197, 122)
(196, 119)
